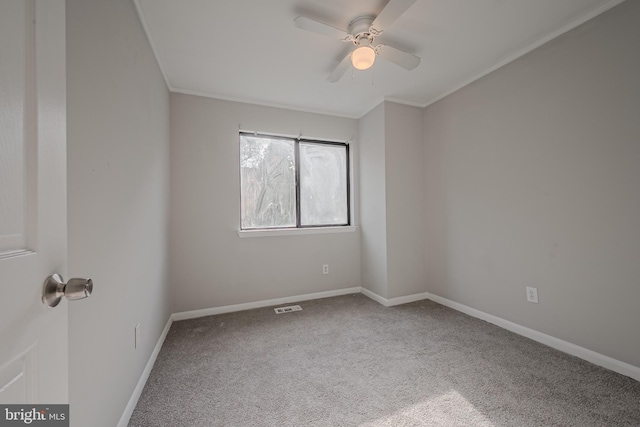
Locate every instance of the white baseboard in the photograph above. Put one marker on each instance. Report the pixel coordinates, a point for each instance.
(394, 301)
(564, 346)
(259, 304)
(133, 400)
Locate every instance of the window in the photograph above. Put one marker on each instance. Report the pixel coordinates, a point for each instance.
(293, 183)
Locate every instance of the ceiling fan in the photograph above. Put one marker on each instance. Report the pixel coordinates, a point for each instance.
(362, 33)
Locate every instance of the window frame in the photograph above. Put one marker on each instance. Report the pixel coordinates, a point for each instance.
(296, 151)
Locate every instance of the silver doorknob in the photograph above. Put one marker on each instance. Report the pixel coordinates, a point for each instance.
(54, 289)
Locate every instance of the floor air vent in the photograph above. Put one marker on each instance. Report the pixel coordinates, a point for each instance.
(287, 309)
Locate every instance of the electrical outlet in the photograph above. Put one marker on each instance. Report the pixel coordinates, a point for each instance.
(532, 295)
(136, 333)
(325, 269)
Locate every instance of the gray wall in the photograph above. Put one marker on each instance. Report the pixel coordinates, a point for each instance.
(392, 198)
(532, 179)
(405, 195)
(211, 265)
(373, 212)
(118, 188)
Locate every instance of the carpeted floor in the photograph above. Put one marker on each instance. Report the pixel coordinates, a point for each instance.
(348, 361)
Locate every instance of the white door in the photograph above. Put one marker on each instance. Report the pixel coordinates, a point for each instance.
(33, 201)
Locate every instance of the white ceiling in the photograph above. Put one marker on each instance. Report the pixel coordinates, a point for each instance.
(250, 50)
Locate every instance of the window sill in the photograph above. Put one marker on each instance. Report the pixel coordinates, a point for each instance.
(276, 232)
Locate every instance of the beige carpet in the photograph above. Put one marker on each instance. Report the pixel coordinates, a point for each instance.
(348, 361)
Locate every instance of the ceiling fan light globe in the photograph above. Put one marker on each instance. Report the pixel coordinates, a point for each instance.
(363, 58)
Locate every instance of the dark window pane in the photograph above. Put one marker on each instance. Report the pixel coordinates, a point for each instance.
(267, 180)
(323, 184)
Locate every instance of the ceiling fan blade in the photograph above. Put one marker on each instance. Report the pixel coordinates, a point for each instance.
(340, 69)
(398, 57)
(389, 14)
(320, 28)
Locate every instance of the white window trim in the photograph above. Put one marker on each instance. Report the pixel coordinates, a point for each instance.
(276, 232)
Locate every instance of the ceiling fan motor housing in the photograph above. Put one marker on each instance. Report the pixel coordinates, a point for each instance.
(359, 28)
